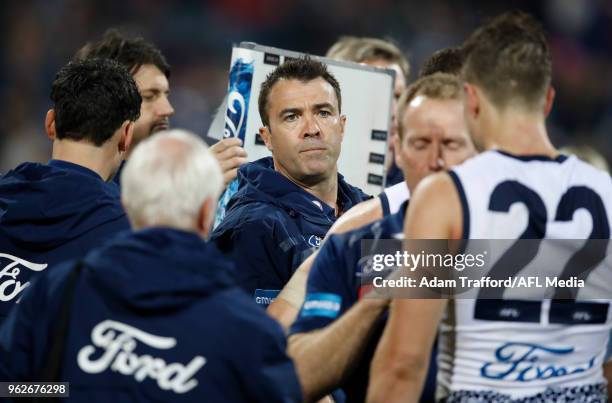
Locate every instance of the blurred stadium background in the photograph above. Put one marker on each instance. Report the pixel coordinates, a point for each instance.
(196, 36)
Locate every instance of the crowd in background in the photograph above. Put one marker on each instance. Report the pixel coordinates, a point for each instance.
(157, 279)
(196, 36)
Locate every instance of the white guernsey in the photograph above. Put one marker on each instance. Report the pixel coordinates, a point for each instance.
(515, 347)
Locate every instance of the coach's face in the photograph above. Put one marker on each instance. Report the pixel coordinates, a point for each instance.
(434, 138)
(305, 130)
(155, 110)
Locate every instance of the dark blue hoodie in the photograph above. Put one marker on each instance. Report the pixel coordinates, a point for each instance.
(272, 225)
(50, 213)
(156, 317)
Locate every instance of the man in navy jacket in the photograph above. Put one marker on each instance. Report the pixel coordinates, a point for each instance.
(60, 210)
(285, 204)
(154, 314)
(151, 72)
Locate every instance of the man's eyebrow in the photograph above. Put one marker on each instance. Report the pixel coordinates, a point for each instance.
(323, 105)
(289, 110)
(458, 139)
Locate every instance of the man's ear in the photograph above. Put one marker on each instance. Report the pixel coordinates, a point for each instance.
(266, 136)
(397, 150)
(472, 104)
(206, 217)
(342, 124)
(127, 134)
(50, 124)
(550, 99)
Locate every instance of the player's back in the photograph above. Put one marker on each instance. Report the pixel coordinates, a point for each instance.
(499, 348)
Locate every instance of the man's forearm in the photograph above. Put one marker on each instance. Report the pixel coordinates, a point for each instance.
(402, 357)
(398, 382)
(396, 376)
(283, 311)
(324, 357)
(287, 305)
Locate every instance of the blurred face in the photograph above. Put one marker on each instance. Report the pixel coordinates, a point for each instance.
(305, 130)
(155, 110)
(398, 89)
(435, 137)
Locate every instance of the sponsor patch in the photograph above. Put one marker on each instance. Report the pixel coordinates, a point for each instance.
(265, 297)
(11, 283)
(114, 347)
(528, 362)
(322, 304)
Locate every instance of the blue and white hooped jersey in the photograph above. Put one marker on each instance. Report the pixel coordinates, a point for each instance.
(530, 356)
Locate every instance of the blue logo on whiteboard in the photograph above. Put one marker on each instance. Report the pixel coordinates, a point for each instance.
(239, 93)
(241, 77)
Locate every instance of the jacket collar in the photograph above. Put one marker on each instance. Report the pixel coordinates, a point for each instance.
(258, 181)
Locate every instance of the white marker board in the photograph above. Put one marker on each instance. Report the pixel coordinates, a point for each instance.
(367, 94)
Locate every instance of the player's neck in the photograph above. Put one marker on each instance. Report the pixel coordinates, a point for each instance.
(98, 159)
(520, 134)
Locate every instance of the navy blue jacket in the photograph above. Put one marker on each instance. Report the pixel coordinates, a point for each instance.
(117, 178)
(336, 273)
(155, 317)
(394, 175)
(338, 278)
(272, 225)
(50, 213)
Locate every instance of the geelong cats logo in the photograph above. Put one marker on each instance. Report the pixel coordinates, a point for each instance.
(117, 342)
(10, 287)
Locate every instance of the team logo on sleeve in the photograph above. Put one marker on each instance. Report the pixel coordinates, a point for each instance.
(322, 304)
(113, 347)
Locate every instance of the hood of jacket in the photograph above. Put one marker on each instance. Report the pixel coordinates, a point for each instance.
(158, 268)
(46, 205)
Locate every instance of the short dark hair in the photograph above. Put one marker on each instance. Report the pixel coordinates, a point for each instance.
(509, 58)
(449, 61)
(92, 98)
(130, 52)
(303, 69)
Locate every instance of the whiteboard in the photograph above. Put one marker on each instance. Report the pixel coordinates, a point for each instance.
(367, 94)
